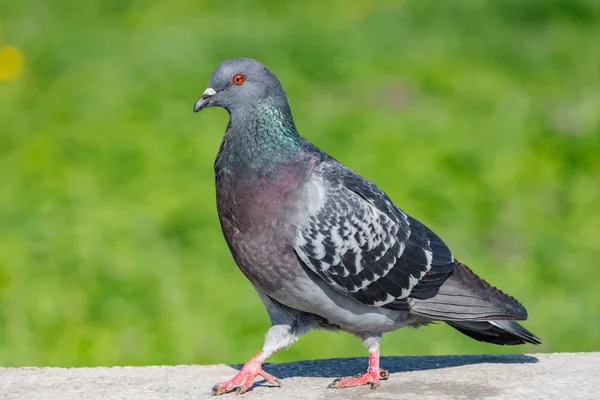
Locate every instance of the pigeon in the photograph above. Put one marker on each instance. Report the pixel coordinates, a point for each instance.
(324, 247)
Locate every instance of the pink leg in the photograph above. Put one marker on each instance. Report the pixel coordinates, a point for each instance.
(244, 379)
(371, 377)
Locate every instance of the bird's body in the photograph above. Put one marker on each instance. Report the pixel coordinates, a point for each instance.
(326, 248)
(281, 201)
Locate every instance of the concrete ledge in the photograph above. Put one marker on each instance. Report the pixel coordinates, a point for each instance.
(536, 376)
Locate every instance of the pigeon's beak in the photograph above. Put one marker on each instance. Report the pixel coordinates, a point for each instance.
(203, 101)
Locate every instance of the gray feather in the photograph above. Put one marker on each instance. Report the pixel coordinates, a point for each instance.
(466, 297)
(362, 245)
(497, 332)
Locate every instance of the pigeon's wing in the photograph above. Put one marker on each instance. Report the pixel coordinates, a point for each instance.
(362, 245)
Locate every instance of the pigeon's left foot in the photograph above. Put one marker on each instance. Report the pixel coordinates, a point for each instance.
(244, 379)
(372, 377)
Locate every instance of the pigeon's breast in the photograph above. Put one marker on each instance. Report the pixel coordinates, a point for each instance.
(257, 212)
(248, 202)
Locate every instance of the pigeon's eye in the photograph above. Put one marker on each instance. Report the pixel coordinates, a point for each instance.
(238, 79)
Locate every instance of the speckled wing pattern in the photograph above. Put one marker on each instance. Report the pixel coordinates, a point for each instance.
(364, 246)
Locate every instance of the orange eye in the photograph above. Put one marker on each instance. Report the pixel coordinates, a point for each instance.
(238, 79)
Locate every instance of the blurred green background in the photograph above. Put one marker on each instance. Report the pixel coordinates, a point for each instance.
(480, 118)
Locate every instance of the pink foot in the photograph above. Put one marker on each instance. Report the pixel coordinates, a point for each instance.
(372, 377)
(244, 379)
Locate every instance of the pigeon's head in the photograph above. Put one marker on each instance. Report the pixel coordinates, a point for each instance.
(238, 83)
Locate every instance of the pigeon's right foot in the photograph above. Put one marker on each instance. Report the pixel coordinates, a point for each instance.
(244, 379)
(372, 377)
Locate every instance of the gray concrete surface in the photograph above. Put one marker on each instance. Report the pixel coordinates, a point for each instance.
(536, 376)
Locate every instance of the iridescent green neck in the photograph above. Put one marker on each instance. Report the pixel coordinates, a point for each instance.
(259, 138)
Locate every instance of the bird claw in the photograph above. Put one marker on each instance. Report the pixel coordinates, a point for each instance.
(333, 384)
(276, 382)
(370, 378)
(223, 388)
(217, 390)
(383, 374)
(243, 382)
(241, 389)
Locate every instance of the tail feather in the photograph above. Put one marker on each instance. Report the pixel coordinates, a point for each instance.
(497, 332)
(466, 297)
(472, 306)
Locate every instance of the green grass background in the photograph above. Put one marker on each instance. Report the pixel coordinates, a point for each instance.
(480, 118)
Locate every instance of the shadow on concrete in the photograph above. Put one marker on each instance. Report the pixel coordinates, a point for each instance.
(337, 367)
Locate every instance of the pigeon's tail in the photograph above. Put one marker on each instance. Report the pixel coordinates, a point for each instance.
(466, 297)
(472, 306)
(498, 332)
(477, 309)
